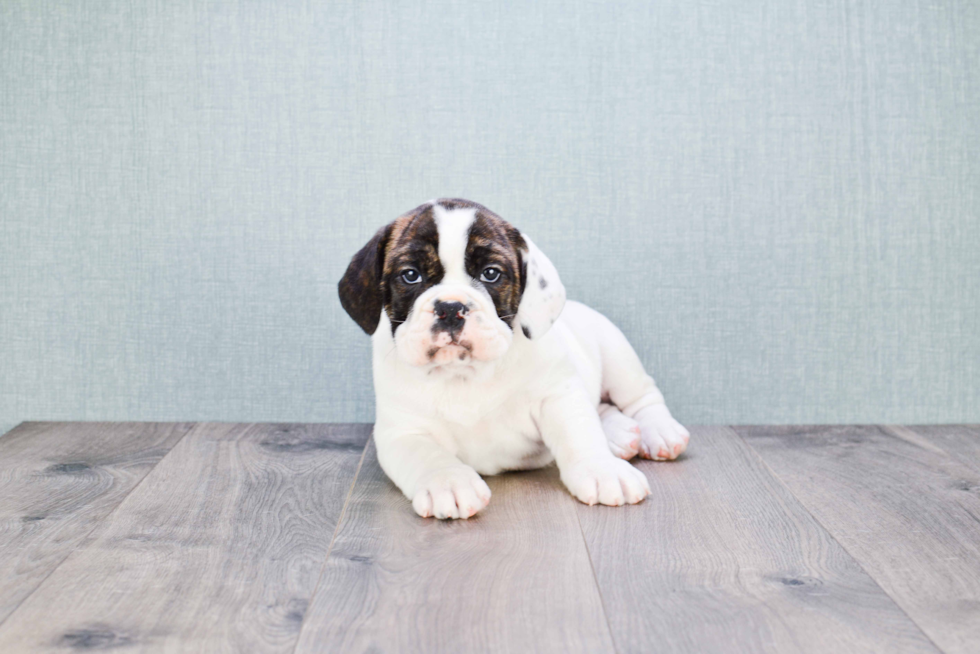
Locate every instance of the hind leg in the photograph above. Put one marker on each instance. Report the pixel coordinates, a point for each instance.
(630, 388)
(662, 437)
(622, 433)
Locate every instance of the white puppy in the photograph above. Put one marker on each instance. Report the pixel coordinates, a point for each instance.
(478, 369)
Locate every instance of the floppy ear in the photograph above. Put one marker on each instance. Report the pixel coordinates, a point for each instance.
(360, 289)
(544, 294)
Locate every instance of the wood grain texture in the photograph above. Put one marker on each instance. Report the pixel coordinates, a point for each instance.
(722, 558)
(219, 549)
(961, 442)
(910, 516)
(57, 482)
(515, 578)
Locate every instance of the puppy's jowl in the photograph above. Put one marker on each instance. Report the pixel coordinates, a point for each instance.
(480, 366)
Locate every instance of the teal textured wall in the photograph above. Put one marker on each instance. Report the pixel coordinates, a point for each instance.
(778, 202)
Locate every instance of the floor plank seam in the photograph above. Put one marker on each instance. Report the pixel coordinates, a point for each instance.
(336, 532)
(913, 438)
(595, 580)
(86, 541)
(833, 536)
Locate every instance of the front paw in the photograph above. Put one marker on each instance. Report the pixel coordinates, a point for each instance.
(608, 481)
(457, 492)
(661, 437)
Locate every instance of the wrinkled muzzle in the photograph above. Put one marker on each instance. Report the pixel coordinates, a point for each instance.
(452, 325)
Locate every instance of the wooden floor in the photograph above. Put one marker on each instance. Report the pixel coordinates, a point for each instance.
(289, 538)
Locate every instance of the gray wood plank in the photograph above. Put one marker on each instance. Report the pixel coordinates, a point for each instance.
(722, 558)
(910, 516)
(961, 442)
(57, 482)
(515, 578)
(219, 548)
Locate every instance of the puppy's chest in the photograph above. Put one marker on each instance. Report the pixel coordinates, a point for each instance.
(508, 439)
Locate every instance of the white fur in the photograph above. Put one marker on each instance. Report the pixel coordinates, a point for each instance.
(453, 228)
(512, 403)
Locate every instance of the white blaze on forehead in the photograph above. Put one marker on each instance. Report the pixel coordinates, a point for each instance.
(454, 232)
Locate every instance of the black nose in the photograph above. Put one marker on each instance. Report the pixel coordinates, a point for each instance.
(450, 315)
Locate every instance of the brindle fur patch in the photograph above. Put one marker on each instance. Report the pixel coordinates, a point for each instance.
(414, 244)
(495, 242)
(360, 288)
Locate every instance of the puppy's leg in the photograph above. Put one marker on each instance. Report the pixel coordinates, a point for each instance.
(631, 389)
(662, 437)
(571, 429)
(436, 482)
(622, 433)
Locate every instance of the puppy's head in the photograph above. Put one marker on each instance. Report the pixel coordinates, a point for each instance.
(456, 282)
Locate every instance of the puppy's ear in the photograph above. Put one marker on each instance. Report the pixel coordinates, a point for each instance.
(543, 296)
(360, 289)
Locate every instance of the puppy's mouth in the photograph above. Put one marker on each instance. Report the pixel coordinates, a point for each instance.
(450, 351)
(458, 338)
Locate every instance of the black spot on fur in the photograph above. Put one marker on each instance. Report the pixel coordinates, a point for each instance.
(526, 330)
(543, 282)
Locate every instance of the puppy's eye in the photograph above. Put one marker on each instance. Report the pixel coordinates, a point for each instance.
(490, 275)
(411, 276)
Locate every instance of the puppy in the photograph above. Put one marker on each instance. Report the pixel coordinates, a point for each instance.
(481, 366)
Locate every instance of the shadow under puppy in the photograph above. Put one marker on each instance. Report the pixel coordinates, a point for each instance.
(480, 366)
